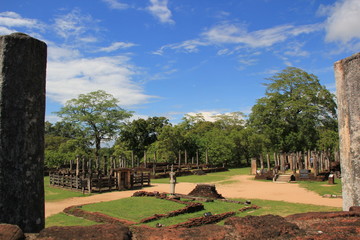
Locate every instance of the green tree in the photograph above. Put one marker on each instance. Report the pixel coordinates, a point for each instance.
(97, 114)
(63, 141)
(171, 140)
(296, 107)
(328, 140)
(64, 129)
(219, 146)
(139, 134)
(230, 121)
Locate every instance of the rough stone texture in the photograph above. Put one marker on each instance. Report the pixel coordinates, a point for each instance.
(96, 216)
(10, 232)
(22, 112)
(355, 209)
(328, 226)
(347, 74)
(205, 190)
(208, 232)
(249, 228)
(200, 221)
(95, 232)
(314, 226)
(263, 227)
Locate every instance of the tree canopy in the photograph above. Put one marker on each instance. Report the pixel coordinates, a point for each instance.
(139, 134)
(97, 114)
(297, 113)
(294, 111)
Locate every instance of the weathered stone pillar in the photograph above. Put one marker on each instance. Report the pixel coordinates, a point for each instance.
(347, 73)
(22, 112)
(253, 166)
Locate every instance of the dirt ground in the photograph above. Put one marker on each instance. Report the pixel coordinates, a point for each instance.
(244, 187)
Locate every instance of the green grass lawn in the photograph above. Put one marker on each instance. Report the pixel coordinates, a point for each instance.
(208, 178)
(56, 194)
(267, 207)
(61, 219)
(322, 188)
(135, 209)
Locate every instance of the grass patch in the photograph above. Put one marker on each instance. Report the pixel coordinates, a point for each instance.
(61, 219)
(208, 178)
(285, 208)
(322, 188)
(135, 208)
(267, 207)
(56, 194)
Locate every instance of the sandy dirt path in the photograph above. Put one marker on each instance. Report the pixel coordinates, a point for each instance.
(244, 187)
(247, 188)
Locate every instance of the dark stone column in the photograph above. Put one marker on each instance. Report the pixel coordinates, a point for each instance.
(347, 73)
(22, 112)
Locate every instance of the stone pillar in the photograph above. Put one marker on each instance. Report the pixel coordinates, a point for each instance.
(172, 180)
(132, 159)
(207, 157)
(253, 166)
(347, 74)
(268, 162)
(22, 112)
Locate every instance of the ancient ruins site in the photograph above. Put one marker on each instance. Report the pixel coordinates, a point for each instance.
(191, 191)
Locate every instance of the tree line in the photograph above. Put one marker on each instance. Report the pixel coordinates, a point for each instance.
(296, 114)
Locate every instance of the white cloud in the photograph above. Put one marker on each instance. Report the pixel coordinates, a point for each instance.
(5, 30)
(114, 4)
(11, 20)
(295, 49)
(189, 46)
(212, 115)
(77, 26)
(137, 117)
(238, 35)
(115, 46)
(224, 51)
(209, 115)
(68, 76)
(227, 33)
(52, 118)
(343, 22)
(160, 10)
(56, 53)
(69, 72)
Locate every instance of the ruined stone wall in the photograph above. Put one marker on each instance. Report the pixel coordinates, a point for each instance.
(347, 73)
(22, 111)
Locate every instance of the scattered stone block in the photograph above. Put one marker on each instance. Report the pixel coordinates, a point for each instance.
(355, 209)
(205, 190)
(95, 232)
(263, 227)
(10, 232)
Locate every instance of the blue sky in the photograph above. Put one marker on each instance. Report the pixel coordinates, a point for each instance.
(175, 57)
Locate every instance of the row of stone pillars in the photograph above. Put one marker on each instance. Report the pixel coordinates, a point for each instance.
(319, 161)
(180, 160)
